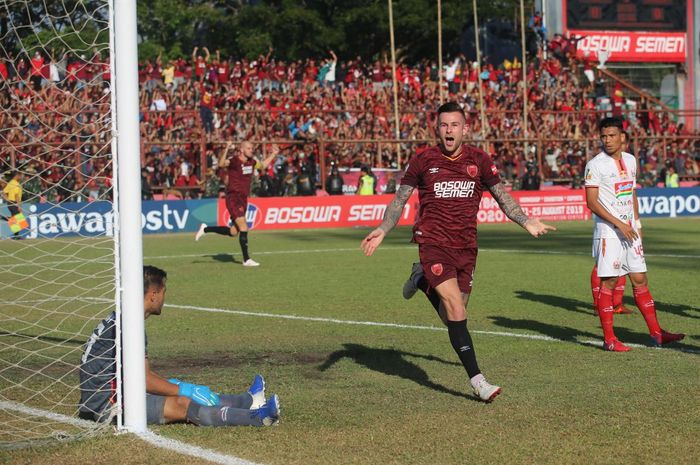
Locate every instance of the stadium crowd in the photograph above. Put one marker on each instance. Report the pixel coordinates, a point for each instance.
(55, 117)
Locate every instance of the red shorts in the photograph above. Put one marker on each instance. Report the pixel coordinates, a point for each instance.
(236, 204)
(443, 263)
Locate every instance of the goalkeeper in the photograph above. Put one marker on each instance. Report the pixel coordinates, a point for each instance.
(167, 400)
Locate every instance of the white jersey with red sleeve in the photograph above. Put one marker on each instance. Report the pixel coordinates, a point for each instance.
(615, 182)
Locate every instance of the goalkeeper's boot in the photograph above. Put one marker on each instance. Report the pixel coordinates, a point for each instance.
(269, 413)
(200, 232)
(410, 287)
(664, 337)
(485, 390)
(615, 345)
(257, 392)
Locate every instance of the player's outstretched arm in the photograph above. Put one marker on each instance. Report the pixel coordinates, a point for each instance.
(516, 214)
(274, 151)
(391, 218)
(223, 158)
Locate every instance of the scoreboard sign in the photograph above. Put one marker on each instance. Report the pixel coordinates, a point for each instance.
(627, 15)
(629, 30)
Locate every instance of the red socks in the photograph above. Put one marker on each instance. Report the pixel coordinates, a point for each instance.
(595, 286)
(605, 312)
(619, 291)
(619, 288)
(645, 303)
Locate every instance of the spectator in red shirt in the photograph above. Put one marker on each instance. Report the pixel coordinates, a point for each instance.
(4, 75)
(37, 64)
(200, 63)
(206, 104)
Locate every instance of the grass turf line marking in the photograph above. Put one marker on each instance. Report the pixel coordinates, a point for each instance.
(348, 249)
(191, 450)
(36, 412)
(149, 436)
(357, 249)
(537, 337)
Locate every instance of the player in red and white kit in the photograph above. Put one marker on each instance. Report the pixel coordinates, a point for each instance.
(240, 172)
(617, 241)
(451, 178)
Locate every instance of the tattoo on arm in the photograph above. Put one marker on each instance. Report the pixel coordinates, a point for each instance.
(508, 204)
(395, 208)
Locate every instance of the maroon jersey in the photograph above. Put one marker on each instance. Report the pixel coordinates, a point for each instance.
(449, 191)
(239, 175)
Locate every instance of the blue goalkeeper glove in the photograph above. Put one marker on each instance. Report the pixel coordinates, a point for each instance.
(198, 393)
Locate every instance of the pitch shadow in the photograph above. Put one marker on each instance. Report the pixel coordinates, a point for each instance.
(567, 303)
(392, 362)
(586, 307)
(564, 333)
(569, 334)
(224, 258)
(680, 310)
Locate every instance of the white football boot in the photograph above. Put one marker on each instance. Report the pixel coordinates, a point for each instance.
(485, 390)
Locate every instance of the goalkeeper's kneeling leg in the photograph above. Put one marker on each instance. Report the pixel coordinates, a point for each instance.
(223, 416)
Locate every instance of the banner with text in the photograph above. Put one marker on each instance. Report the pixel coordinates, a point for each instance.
(345, 211)
(97, 218)
(90, 219)
(667, 47)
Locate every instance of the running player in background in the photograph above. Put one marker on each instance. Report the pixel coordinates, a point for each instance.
(617, 243)
(240, 172)
(450, 178)
(167, 400)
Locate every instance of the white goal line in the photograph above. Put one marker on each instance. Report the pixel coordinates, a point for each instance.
(148, 436)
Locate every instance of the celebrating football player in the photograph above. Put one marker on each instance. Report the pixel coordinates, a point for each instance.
(450, 178)
(240, 169)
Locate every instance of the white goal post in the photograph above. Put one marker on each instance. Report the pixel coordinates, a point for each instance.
(126, 104)
(71, 246)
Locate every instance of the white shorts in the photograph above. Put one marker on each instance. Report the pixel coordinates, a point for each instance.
(618, 258)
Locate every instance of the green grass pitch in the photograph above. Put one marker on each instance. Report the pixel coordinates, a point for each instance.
(366, 377)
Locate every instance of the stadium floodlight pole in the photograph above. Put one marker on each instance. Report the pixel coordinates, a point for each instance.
(439, 26)
(478, 78)
(524, 73)
(544, 28)
(128, 196)
(395, 85)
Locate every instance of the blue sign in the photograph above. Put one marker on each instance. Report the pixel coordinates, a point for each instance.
(669, 203)
(91, 219)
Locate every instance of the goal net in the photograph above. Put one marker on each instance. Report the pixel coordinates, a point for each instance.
(58, 253)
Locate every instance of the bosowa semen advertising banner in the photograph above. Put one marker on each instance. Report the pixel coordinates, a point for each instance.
(357, 210)
(625, 46)
(97, 218)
